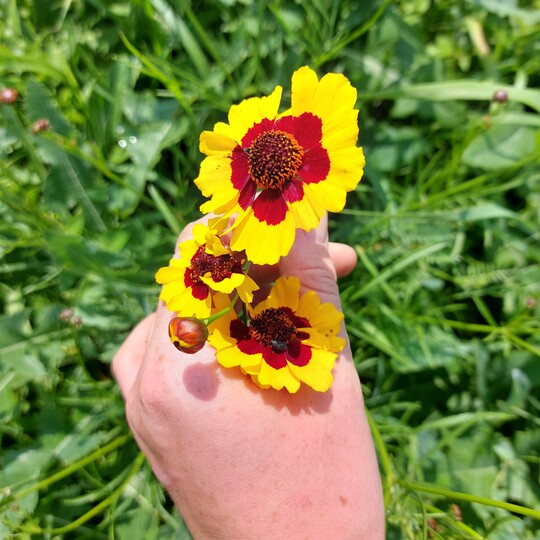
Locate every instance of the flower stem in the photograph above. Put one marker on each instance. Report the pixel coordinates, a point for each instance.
(219, 314)
(449, 494)
(383, 456)
(70, 469)
(96, 509)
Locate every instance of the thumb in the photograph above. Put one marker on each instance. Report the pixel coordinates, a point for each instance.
(310, 261)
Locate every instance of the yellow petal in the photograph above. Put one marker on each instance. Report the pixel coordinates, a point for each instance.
(303, 87)
(214, 181)
(214, 246)
(306, 217)
(172, 289)
(187, 250)
(325, 197)
(285, 292)
(199, 233)
(318, 372)
(264, 244)
(246, 289)
(252, 110)
(327, 319)
(170, 273)
(186, 305)
(308, 305)
(227, 285)
(334, 98)
(215, 143)
(277, 378)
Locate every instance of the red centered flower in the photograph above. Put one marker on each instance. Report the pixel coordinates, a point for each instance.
(275, 334)
(290, 339)
(206, 270)
(280, 172)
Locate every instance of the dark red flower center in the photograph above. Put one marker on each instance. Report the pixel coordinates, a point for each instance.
(220, 267)
(273, 328)
(274, 158)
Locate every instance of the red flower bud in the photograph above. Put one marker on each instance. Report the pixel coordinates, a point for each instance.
(8, 95)
(500, 96)
(40, 125)
(188, 334)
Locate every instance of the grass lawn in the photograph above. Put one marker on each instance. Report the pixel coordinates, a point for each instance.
(97, 159)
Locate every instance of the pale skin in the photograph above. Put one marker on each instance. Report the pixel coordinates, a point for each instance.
(246, 463)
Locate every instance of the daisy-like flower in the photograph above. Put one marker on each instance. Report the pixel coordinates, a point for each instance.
(206, 269)
(291, 339)
(280, 172)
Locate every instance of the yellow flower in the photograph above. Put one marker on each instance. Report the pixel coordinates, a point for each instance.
(280, 172)
(291, 339)
(206, 270)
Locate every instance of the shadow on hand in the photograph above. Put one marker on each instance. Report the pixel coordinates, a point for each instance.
(202, 380)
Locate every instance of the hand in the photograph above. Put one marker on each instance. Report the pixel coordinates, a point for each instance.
(242, 462)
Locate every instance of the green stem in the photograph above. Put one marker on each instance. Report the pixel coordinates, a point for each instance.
(219, 314)
(99, 507)
(115, 443)
(383, 456)
(457, 495)
(455, 523)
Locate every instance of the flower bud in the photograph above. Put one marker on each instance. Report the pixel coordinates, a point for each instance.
(40, 125)
(500, 96)
(188, 334)
(8, 96)
(66, 315)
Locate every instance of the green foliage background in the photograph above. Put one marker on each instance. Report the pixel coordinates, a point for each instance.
(442, 309)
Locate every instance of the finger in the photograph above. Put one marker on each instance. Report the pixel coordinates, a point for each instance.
(344, 258)
(310, 261)
(128, 359)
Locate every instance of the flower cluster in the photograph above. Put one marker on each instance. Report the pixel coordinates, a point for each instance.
(266, 174)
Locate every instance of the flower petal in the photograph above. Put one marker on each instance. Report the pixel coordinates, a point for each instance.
(270, 207)
(318, 373)
(252, 111)
(217, 142)
(277, 378)
(274, 359)
(298, 353)
(315, 167)
(264, 244)
(245, 291)
(306, 129)
(167, 274)
(186, 305)
(303, 88)
(226, 285)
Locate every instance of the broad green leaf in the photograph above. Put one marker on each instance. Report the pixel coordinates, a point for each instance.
(499, 147)
(395, 148)
(22, 467)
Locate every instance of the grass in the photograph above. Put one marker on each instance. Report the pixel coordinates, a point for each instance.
(442, 309)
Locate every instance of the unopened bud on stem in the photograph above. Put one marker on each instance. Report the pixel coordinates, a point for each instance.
(8, 96)
(188, 334)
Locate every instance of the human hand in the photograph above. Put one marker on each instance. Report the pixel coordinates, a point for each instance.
(242, 462)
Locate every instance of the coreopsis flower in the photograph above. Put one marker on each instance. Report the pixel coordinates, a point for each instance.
(280, 172)
(206, 269)
(290, 339)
